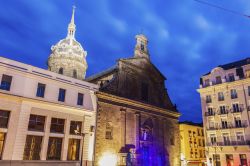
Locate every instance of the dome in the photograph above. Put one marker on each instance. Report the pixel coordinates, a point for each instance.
(68, 56)
(68, 47)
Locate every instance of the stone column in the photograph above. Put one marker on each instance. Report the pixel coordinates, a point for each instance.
(123, 127)
(137, 130)
(66, 139)
(21, 134)
(46, 138)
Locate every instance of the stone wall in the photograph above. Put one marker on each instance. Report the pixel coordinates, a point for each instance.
(127, 123)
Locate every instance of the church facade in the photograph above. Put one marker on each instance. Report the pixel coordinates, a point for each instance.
(135, 114)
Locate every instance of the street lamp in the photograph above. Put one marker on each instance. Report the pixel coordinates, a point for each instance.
(83, 135)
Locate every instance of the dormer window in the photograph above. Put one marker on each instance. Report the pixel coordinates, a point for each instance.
(218, 80)
(231, 77)
(207, 82)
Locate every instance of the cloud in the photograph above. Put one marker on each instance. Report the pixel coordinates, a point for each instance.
(185, 39)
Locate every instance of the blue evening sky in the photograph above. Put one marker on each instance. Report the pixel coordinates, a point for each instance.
(186, 39)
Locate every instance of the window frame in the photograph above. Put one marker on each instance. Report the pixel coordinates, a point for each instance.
(40, 92)
(57, 127)
(36, 122)
(2, 117)
(80, 99)
(61, 95)
(6, 82)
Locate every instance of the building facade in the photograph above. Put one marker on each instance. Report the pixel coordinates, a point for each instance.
(225, 99)
(48, 117)
(136, 120)
(192, 144)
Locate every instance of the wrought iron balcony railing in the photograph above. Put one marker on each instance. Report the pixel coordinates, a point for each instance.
(209, 113)
(236, 124)
(230, 143)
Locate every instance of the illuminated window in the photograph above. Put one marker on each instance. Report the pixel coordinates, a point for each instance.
(109, 131)
(213, 139)
(189, 133)
(4, 118)
(234, 94)
(236, 107)
(40, 90)
(224, 123)
(240, 138)
(54, 148)
(229, 159)
(220, 96)
(223, 109)
(36, 123)
(226, 138)
(2, 138)
(32, 147)
(208, 99)
(216, 159)
(75, 127)
(243, 159)
(237, 122)
(73, 149)
(57, 125)
(247, 73)
(6, 82)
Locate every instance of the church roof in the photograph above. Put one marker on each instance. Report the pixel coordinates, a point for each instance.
(102, 73)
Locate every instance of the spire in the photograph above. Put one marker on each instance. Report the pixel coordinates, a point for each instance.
(72, 26)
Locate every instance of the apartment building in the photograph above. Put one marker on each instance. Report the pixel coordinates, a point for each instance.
(225, 100)
(192, 144)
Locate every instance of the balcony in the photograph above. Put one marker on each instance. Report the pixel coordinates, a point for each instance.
(238, 124)
(237, 110)
(223, 112)
(230, 143)
(209, 113)
(223, 80)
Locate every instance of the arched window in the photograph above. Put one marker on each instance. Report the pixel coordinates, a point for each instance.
(60, 71)
(74, 74)
(147, 130)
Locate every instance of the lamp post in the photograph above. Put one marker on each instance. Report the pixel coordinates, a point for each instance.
(83, 135)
